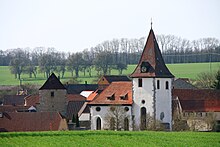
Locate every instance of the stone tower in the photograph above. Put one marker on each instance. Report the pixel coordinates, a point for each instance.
(152, 86)
(53, 96)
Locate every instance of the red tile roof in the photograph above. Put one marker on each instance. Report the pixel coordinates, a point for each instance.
(32, 100)
(30, 121)
(92, 95)
(75, 97)
(10, 108)
(118, 90)
(198, 100)
(152, 58)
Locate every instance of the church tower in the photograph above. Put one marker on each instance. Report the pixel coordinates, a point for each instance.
(152, 86)
(53, 96)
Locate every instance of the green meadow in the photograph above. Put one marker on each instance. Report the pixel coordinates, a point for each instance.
(189, 70)
(110, 138)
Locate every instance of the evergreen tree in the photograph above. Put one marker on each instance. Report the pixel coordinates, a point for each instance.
(77, 120)
(74, 119)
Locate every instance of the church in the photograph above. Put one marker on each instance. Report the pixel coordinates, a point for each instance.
(145, 99)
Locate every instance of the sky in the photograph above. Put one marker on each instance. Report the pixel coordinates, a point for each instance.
(74, 25)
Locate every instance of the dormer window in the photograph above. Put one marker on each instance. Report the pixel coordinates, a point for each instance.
(124, 97)
(111, 97)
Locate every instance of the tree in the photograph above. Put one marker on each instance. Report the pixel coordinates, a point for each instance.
(103, 62)
(77, 121)
(115, 118)
(120, 67)
(17, 64)
(205, 80)
(75, 63)
(216, 83)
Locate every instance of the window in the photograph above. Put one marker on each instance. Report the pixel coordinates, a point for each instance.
(158, 84)
(126, 124)
(143, 101)
(167, 85)
(139, 82)
(124, 97)
(98, 109)
(52, 93)
(98, 124)
(112, 97)
(126, 109)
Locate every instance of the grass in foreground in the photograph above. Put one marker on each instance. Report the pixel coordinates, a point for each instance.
(187, 70)
(110, 138)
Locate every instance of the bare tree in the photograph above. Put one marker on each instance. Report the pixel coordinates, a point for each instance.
(116, 118)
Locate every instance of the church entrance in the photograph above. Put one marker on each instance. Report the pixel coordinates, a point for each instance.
(143, 118)
(98, 124)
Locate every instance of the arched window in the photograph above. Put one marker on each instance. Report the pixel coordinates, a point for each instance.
(98, 123)
(143, 118)
(126, 124)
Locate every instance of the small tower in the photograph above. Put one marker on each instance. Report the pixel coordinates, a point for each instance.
(53, 96)
(152, 86)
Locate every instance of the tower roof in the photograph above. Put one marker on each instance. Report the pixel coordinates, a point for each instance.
(52, 83)
(152, 60)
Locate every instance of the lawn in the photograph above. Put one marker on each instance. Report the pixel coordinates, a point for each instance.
(110, 138)
(189, 70)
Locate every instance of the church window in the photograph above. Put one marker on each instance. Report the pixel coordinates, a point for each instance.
(98, 109)
(139, 82)
(126, 124)
(158, 84)
(143, 118)
(52, 93)
(167, 85)
(98, 123)
(126, 109)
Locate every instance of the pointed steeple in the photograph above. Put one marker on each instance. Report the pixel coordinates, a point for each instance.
(52, 83)
(151, 63)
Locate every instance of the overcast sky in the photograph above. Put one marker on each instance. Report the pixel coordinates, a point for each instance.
(73, 25)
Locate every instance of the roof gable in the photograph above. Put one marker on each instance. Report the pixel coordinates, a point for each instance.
(52, 83)
(151, 58)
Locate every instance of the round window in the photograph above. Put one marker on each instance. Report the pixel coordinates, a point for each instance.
(98, 108)
(126, 109)
(143, 101)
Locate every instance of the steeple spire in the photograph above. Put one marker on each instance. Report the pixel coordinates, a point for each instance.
(151, 23)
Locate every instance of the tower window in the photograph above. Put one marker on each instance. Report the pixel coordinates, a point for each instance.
(158, 84)
(139, 82)
(52, 93)
(167, 85)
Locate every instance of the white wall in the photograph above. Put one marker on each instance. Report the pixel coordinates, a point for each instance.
(163, 101)
(102, 114)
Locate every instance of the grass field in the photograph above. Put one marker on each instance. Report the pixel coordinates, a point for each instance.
(189, 70)
(110, 138)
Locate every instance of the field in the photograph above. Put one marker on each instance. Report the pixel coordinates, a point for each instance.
(110, 138)
(189, 70)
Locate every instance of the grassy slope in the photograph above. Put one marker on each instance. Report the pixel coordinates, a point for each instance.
(179, 70)
(110, 138)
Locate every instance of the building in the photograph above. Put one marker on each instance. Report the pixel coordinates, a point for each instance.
(32, 121)
(152, 86)
(53, 96)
